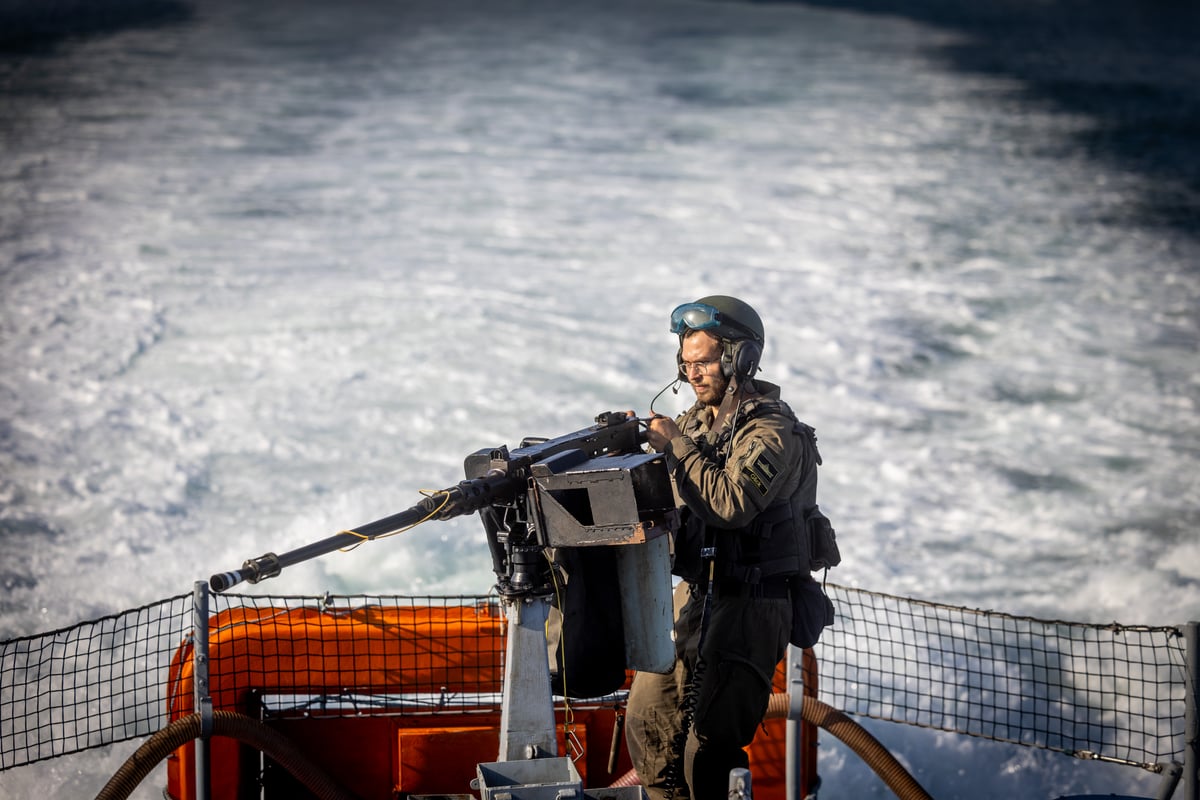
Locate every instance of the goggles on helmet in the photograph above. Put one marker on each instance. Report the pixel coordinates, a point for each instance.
(702, 317)
(697, 316)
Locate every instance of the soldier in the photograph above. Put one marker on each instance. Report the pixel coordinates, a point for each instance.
(744, 472)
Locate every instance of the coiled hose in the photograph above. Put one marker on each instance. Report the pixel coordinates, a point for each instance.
(850, 733)
(225, 723)
(858, 739)
(280, 749)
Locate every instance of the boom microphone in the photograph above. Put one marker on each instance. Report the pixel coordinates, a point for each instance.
(673, 386)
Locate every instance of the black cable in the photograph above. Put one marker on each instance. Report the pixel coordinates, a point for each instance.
(695, 679)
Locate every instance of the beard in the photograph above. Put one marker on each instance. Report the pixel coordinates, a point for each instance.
(710, 389)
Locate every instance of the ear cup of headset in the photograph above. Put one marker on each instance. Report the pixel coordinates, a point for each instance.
(748, 358)
(740, 358)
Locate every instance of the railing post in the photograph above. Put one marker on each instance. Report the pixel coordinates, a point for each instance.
(1191, 744)
(202, 702)
(795, 748)
(802, 779)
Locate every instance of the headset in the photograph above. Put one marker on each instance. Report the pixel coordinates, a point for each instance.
(739, 359)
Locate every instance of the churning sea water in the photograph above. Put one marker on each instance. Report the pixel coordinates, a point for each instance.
(268, 269)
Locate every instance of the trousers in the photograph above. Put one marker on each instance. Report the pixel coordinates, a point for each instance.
(743, 642)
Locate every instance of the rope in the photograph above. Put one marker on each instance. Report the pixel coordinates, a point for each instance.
(363, 538)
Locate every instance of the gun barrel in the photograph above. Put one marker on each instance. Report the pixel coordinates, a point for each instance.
(487, 484)
(225, 580)
(466, 497)
(269, 565)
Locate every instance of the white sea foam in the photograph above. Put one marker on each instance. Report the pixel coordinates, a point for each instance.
(268, 273)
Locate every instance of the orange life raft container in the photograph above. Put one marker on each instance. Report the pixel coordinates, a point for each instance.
(392, 701)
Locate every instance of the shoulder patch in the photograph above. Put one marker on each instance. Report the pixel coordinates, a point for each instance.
(761, 472)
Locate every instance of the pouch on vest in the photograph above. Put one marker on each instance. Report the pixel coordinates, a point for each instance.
(822, 541)
(689, 540)
(812, 611)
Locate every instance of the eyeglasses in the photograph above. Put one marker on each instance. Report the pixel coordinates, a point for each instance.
(702, 367)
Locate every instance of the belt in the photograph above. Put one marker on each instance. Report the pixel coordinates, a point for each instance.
(772, 588)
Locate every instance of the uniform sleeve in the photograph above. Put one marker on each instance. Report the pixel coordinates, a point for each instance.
(765, 461)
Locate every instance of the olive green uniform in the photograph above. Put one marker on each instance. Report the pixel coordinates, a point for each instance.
(740, 495)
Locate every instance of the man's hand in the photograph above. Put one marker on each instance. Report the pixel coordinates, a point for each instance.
(660, 430)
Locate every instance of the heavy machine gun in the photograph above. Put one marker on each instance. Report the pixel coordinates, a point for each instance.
(593, 486)
(590, 493)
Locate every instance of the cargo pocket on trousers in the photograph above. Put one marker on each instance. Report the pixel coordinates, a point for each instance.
(731, 704)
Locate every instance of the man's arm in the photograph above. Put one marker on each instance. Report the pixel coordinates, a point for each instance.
(763, 465)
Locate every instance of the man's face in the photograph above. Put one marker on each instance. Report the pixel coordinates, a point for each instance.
(702, 365)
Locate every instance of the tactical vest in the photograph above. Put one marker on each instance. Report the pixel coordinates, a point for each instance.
(776, 544)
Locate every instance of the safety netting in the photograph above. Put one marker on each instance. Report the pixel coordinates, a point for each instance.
(1111, 692)
(88, 685)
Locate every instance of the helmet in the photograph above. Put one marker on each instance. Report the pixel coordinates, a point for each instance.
(734, 322)
(726, 317)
